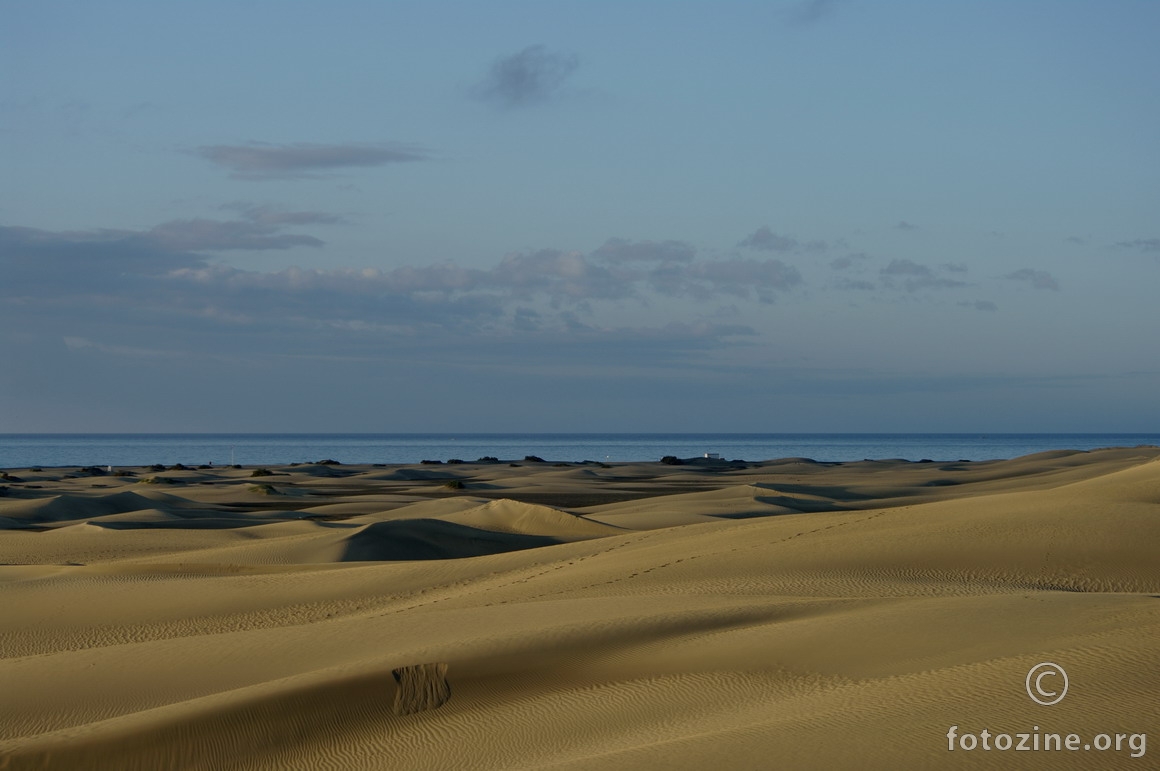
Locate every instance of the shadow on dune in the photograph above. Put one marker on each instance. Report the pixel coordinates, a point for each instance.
(433, 539)
(180, 523)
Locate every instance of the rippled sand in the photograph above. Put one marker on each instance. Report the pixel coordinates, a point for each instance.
(785, 614)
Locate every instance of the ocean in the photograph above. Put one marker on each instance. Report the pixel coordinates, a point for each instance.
(63, 450)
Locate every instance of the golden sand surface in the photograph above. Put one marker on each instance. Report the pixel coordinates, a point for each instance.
(710, 615)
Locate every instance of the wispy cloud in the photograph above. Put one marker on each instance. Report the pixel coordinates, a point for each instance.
(261, 160)
(858, 285)
(1038, 279)
(530, 77)
(980, 305)
(915, 276)
(765, 239)
(620, 250)
(198, 235)
(847, 261)
(812, 11)
(904, 225)
(738, 277)
(1143, 244)
(272, 215)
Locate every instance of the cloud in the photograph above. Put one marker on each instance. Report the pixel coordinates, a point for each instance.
(620, 250)
(270, 215)
(261, 160)
(765, 239)
(847, 284)
(562, 276)
(530, 77)
(1076, 240)
(954, 267)
(980, 305)
(844, 263)
(197, 235)
(904, 225)
(905, 268)
(916, 277)
(1039, 279)
(738, 277)
(43, 264)
(1143, 244)
(812, 11)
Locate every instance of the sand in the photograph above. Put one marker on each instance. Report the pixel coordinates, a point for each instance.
(782, 614)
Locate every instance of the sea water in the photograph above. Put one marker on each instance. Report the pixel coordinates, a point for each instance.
(24, 450)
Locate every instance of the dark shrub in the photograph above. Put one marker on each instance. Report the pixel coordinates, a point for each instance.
(454, 460)
(672, 460)
(431, 462)
(329, 462)
(261, 472)
(454, 484)
(488, 459)
(158, 481)
(177, 467)
(533, 459)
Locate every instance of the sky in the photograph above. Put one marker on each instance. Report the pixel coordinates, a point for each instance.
(829, 215)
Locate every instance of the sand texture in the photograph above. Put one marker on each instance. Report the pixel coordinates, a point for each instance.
(710, 615)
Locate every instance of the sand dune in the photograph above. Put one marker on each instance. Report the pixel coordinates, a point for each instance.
(786, 614)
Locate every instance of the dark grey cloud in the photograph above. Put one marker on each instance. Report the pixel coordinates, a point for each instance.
(39, 264)
(197, 235)
(272, 215)
(1038, 279)
(906, 268)
(955, 267)
(765, 239)
(1143, 244)
(859, 285)
(261, 160)
(530, 77)
(562, 276)
(848, 261)
(620, 250)
(736, 276)
(915, 276)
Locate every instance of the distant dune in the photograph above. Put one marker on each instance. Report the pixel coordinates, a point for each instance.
(777, 615)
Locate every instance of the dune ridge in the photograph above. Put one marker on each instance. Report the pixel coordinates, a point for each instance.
(753, 615)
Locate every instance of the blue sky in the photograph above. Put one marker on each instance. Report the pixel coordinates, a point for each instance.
(832, 215)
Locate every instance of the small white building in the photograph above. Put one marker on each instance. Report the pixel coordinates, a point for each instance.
(713, 455)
